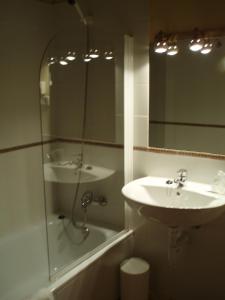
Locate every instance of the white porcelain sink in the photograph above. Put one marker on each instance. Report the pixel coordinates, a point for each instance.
(64, 172)
(193, 204)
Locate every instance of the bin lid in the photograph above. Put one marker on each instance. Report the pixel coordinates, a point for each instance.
(134, 265)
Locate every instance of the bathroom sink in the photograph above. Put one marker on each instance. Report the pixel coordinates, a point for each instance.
(65, 172)
(191, 205)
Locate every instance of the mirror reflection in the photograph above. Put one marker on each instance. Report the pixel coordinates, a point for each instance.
(63, 90)
(187, 104)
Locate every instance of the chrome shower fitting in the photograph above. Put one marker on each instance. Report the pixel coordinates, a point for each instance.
(86, 199)
(89, 198)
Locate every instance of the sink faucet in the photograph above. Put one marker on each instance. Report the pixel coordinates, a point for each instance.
(182, 177)
(78, 161)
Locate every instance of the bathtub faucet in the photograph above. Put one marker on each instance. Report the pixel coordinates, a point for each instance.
(89, 198)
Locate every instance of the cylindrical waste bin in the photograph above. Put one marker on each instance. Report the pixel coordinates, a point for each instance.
(134, 279)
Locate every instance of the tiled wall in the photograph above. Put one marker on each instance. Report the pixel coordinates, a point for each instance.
(141, 76)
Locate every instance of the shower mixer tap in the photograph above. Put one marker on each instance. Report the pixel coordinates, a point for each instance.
(89, 198)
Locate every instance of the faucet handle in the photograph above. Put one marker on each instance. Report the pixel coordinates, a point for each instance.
(182, 174)
(182, 171)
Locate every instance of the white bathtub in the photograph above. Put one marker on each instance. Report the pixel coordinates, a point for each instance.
(24, 259)
(24, 262)
(66, 243)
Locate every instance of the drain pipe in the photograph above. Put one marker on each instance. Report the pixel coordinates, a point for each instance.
(177, 238)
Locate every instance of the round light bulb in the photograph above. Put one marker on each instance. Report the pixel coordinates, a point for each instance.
(172, 50)
(94, 53)
(87, 58)
(207, 48)
(196, 45)
(161, 47)
(63, 62)
(71, 56)
(108, 55)
(51, 61)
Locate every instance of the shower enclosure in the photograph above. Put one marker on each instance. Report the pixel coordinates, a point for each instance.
(81, 134)
(61, 146)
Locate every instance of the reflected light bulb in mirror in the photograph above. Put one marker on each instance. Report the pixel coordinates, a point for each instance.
(87, 58)
(94, 53)
(51, 61)
(172, 50)
(63, 62)
(196, 45)
(108, 55)
(207, 48)
(71, 56)
(161, 47)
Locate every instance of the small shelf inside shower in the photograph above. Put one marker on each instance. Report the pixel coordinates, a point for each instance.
(64, 172)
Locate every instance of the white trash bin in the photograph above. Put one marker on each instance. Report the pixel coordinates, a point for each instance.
(134, 279)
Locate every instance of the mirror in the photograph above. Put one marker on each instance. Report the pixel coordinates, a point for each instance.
(63, 91)
(187, 100)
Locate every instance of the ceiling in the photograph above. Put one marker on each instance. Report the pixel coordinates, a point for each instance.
(185, 15)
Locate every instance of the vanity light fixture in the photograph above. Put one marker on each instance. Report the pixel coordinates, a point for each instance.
(71, 55)
(108, 55)
(63, 61)
(94, 53)
(160, 43)
(86, 58)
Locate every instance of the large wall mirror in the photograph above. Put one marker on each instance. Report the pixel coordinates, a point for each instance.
(187, 100)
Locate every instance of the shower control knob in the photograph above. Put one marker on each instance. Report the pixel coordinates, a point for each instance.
(61, 217)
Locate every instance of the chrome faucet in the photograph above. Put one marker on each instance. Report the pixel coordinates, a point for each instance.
(78, 161)
(89, 198)
(182, 177)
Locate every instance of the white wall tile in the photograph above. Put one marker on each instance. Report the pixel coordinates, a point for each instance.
(141, 130)
(141, 99)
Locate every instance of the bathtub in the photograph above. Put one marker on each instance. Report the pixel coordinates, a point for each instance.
(66, 243)
(24, 258)
(24, 262)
